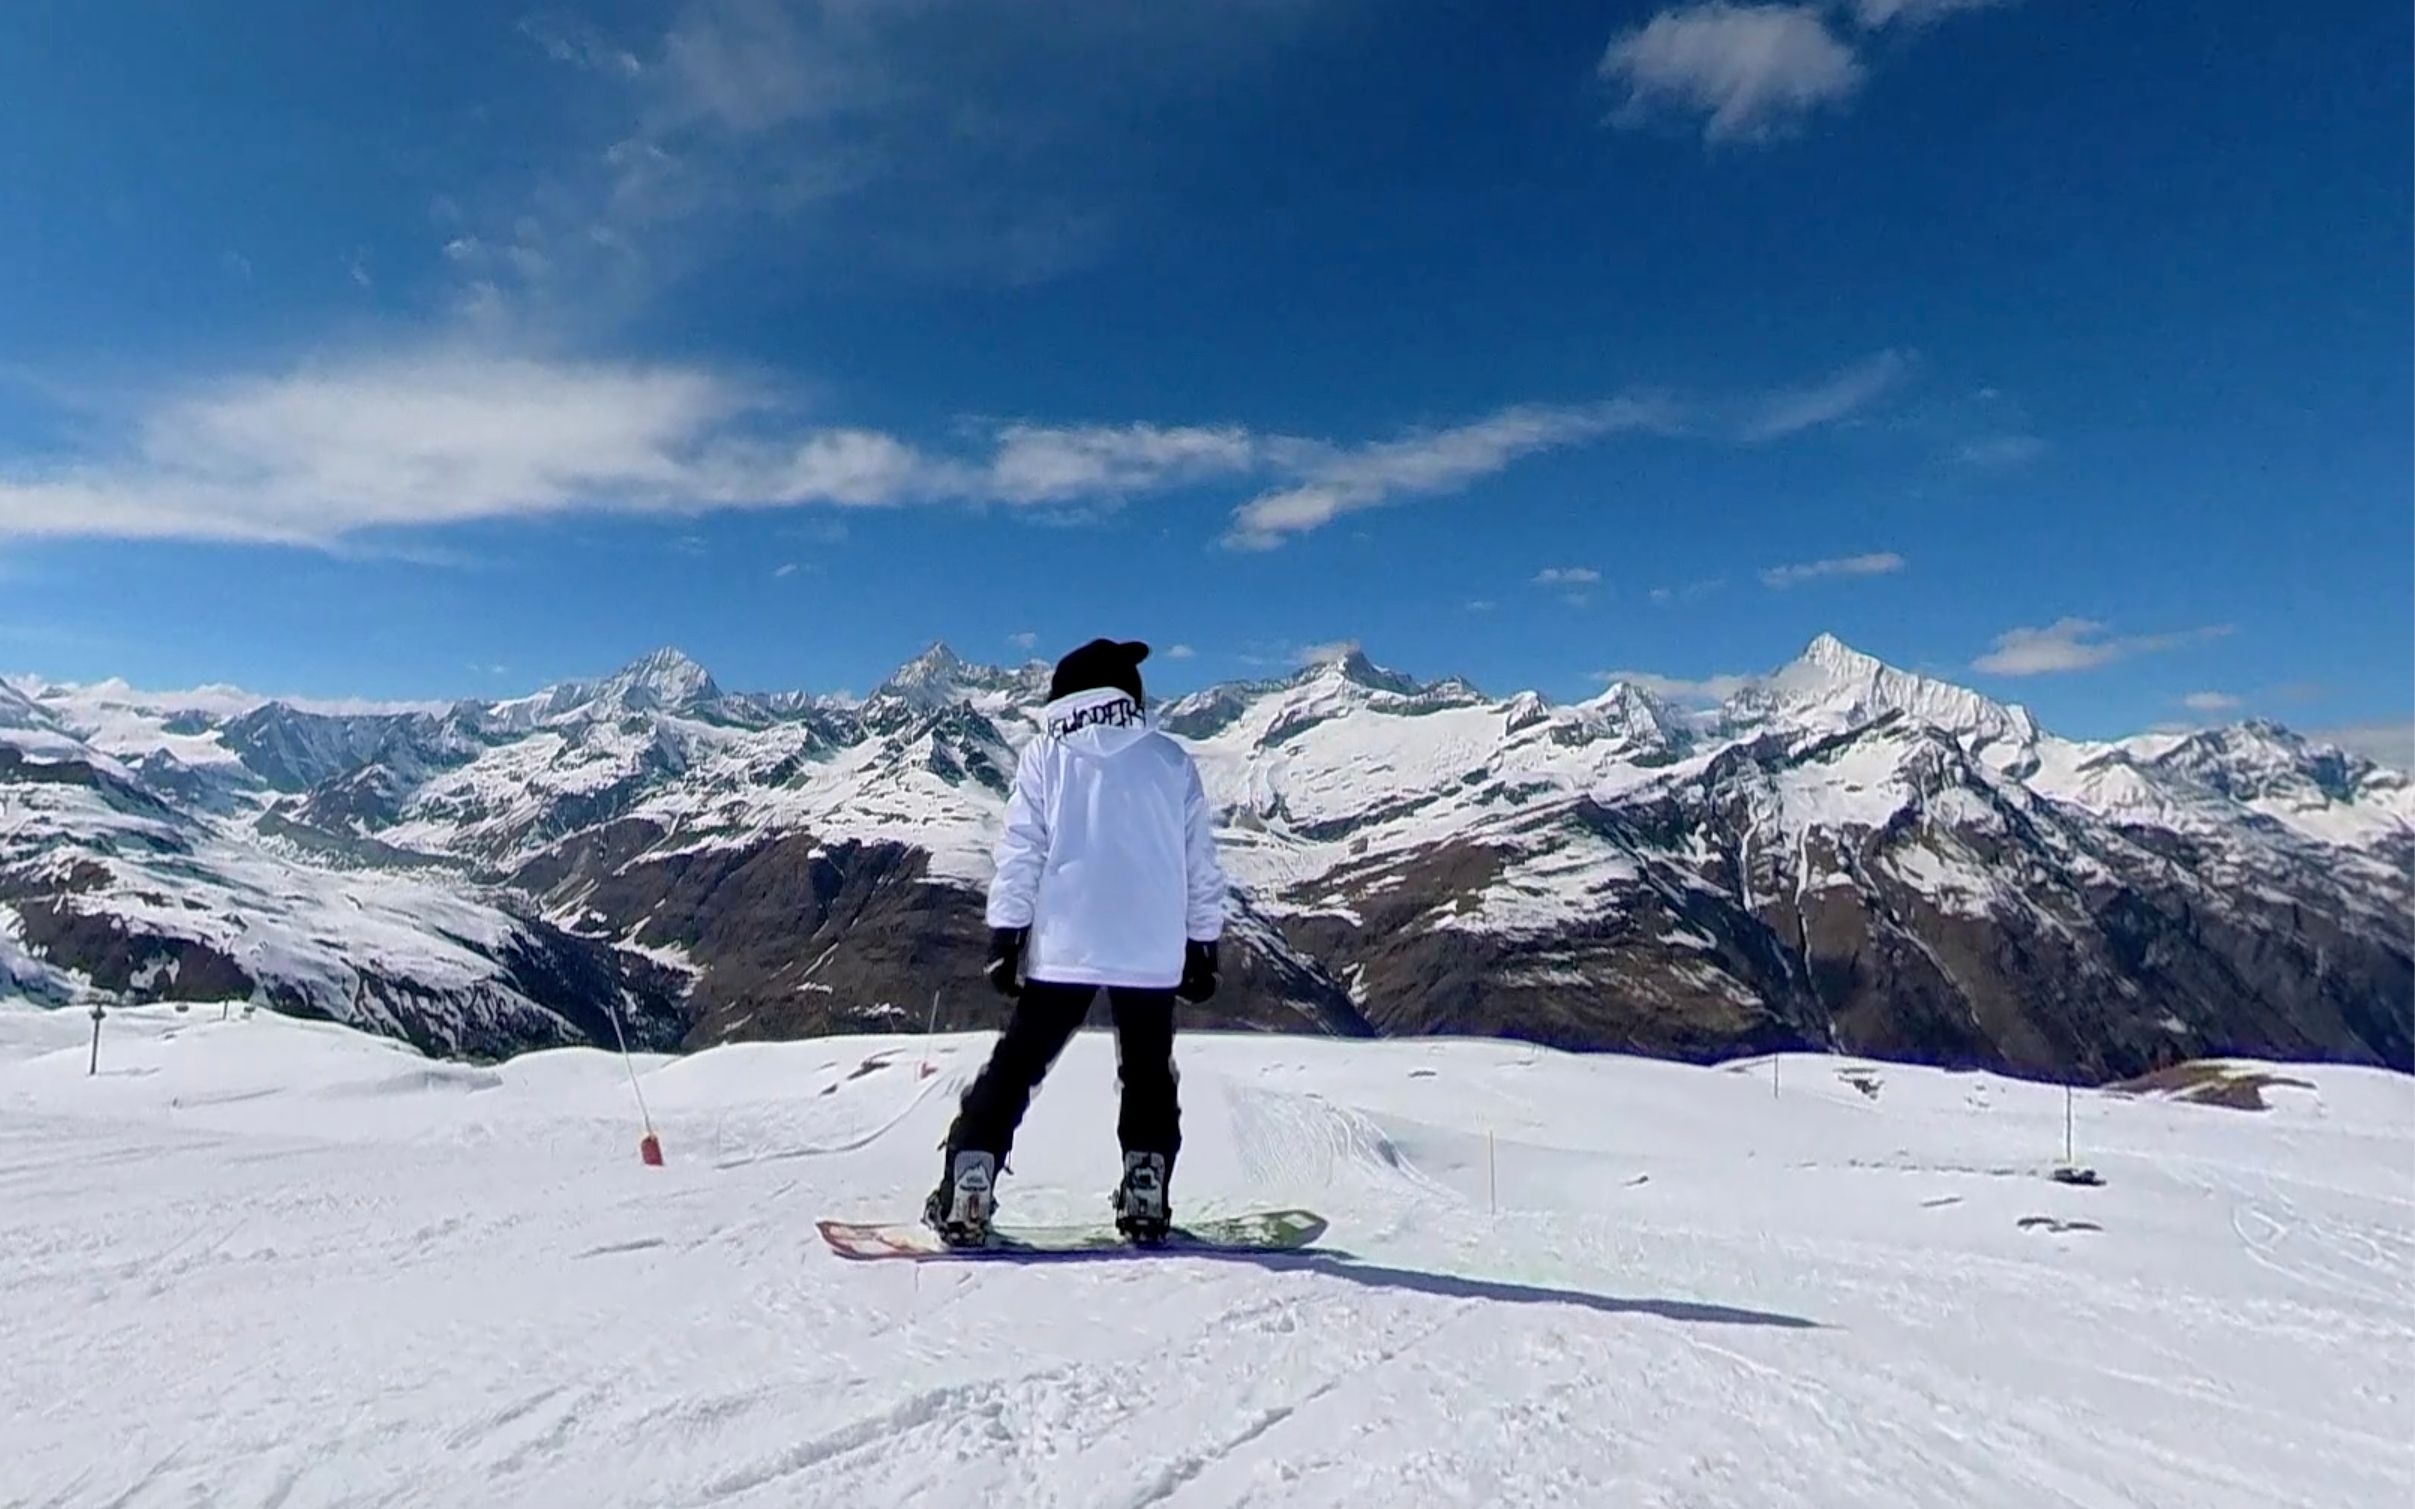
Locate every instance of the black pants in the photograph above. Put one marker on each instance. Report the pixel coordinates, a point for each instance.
(1044, 1020)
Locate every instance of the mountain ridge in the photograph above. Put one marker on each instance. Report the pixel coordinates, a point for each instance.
(1842, 854)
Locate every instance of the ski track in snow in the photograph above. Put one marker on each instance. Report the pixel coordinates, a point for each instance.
(256, 1263)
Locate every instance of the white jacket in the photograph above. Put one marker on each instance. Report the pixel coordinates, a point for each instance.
(1109, 853)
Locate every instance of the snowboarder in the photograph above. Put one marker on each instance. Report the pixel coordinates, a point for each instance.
(1107, 876)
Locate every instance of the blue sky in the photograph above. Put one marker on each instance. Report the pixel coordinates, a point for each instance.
(445, 349)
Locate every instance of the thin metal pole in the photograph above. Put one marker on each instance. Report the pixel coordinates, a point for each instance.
(2067, 1150)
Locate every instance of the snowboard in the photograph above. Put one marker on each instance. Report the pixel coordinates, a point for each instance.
(1258, 1231)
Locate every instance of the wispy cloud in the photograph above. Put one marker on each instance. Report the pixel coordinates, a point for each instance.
(2000, 451)
(1686, 592)
(2392, 744)
(1567, 576)
(569, 40)
(468, 431)
(1326, 653)
(1425, 463)
(447, 436)
(1838, 396)
(1181, 652)
(1878, 13)
(788, 568)
(1481, 605)
(1880, 563)
(1042, 464)
(1026, 640)
(1677, 688)
(1748, 72)
(1751, 73)
(2212, 702)
(949, 140)
(2079, 644)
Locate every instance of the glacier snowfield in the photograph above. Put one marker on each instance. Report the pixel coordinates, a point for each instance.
(270, 1262)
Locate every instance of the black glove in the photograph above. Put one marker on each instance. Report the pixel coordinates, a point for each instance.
(1005, 966)
(1198, 971)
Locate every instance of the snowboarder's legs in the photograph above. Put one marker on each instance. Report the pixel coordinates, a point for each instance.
(1150, 1120)
(1149, 1125)
(1044, 1020)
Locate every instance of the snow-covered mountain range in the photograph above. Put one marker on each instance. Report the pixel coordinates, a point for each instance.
(1843, 855)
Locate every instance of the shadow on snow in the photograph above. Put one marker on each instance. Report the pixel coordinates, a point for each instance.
(1348, 1268)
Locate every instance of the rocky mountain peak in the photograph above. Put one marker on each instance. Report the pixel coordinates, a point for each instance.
(939, 676)
(1833, 682)
(1353, 668)
(663, 678)
(937, 666)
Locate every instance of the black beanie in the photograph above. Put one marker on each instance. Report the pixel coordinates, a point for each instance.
(1099, 664)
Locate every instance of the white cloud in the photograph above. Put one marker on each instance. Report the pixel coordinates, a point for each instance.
(1753, 72)
(447, 436)
(958, 141)
(1428, 462)
(1481, 605)
(1877, 13)
(1181, 652)
(1040, 464)
(1026, 640)
(1881, 563)
(2212, 702)
(1676, 688)
(1567, 576)
(1687, 592)
(2392, 744)
(1326, 653)
(325, 452)
(566, 39)
(1839, 395)
(1749, 71)
(2078, 644)
(468, 431)
(1999, 451)
(788, 569)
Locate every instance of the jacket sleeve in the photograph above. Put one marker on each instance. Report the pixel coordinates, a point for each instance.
(1022, 850)
(1204, 875)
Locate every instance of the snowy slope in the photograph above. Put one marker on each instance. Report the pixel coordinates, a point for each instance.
(274, 1262)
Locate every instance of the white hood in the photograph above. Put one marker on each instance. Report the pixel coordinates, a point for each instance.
(1109, 850)
(1101, 722)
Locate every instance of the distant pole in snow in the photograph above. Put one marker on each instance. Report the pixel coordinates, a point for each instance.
(929, 1026)
(649, 1147)
(97, 1014)
(1773, 1074)
(1492, 1201)
(2067, 1150)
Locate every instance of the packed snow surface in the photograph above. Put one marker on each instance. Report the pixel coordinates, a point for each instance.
(261, 1261)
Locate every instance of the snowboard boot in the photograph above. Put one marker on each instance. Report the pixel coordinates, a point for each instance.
(960, 1208)
(1141, 1211)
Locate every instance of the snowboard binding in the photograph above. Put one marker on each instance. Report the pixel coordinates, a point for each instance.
(961, 1207)
(1141, 1210)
